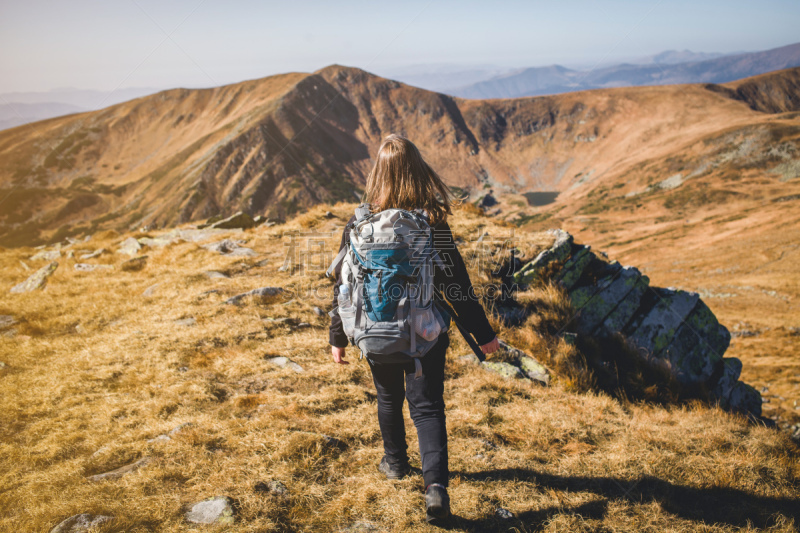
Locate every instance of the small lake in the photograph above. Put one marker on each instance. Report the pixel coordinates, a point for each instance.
(540, 198)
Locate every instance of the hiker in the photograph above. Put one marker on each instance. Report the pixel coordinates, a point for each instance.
(401, 179)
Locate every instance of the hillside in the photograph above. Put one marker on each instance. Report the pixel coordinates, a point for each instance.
(665, 69)
(144, 364)
(280, 144)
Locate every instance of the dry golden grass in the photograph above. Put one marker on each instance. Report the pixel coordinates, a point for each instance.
(97, 369)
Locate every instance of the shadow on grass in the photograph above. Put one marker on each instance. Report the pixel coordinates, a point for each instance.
(707, 505)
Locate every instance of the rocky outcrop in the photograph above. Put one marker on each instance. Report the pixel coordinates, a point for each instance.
(668, 328)
(38, 280)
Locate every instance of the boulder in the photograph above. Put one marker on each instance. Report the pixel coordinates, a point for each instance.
(92, 255)
(574, 267)
(592, 314)
(157, 242)
(285, 362)
(81, 522)
(46, 255)
(121, 471)
(558, 252)
(274, 487)
(695, 352)
(214, 510)
(134, 265)
(533, 369)
(731, 370)
(263, 292)
(654, 330)
(669, 328)
(37, 280)
(212, 274)
(129, 246)
(506, 370)
(239, 220)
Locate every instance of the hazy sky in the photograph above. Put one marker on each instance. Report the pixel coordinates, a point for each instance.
(107, 44)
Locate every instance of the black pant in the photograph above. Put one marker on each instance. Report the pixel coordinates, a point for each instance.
(396, 381)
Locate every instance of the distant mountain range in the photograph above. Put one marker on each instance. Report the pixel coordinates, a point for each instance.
(663, 69)
(19, 108)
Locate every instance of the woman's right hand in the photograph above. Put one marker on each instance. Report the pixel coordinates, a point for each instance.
(491, 346)
(338, 355)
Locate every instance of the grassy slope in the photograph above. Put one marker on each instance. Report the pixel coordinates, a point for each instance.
(96, 371)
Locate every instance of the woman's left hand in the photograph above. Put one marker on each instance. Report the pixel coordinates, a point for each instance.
(491, 346)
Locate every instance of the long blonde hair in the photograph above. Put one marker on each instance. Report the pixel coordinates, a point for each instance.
(401, 179)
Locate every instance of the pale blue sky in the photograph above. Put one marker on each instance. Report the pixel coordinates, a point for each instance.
(95, 44)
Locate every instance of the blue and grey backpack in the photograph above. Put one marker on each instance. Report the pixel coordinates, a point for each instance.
(386, 299)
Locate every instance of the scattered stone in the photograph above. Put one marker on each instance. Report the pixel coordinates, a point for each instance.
(506, 370)
(302, 325)
(328, 214)
(2, 364)
(213, 274)
(160, 438)
(157, 242)
(121, 471)
(187, 322)
(134, 265)
(151, 290)
(262, 263)
(503, 514)
(285, 362)
(47, 255)
(86, 267)
(263, 292)
(239, 220)
(230, 247)
(362, 526)
(129, 246)
(318, 311)
(273, 487)
(214, 510)
(534, 370)
(92, 255)
(38, 280)
(259, 219)
(81, 522)
(177, 429)
(183, 369)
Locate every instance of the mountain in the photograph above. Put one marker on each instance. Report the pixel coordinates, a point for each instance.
(663, 69)
(277, 145)
(17, 114)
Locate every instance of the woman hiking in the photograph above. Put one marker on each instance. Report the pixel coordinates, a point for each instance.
(401, 179)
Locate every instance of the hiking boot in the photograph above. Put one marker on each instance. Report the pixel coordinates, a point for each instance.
(393, 471)
(437, 503)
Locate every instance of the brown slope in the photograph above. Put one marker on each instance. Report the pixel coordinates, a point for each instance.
(278, 144)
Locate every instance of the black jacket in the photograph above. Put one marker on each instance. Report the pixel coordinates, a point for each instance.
(453, 282)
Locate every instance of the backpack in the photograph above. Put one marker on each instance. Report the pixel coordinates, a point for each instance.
(385, 300)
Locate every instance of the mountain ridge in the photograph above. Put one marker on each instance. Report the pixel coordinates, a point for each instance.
(278, 144)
